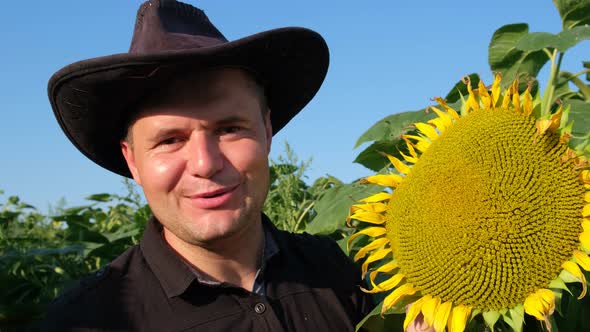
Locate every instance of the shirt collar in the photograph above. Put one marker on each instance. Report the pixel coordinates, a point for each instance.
(174, 274)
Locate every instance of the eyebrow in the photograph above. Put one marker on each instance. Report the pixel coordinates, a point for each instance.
(168, 131)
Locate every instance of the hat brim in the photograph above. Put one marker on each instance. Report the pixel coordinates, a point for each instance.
(93, 99)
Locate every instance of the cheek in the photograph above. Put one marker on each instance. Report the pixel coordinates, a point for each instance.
(161, 174)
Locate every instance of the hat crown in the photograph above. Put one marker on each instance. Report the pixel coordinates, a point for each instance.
(166, 25)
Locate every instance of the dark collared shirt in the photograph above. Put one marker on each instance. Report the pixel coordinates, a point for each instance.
(269, 249)
(310, 285)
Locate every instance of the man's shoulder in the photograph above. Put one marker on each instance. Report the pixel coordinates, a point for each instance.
(94, 297)
(322, 255)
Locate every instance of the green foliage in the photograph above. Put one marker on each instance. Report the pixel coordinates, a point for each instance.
(291, 202)
(42, 255)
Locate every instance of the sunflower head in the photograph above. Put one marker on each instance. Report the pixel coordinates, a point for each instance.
(488, 213)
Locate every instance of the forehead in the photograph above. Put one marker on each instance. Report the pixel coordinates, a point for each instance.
(197, 89)
(203, 87)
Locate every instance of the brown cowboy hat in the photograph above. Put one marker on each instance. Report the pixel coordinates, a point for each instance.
(94, 99)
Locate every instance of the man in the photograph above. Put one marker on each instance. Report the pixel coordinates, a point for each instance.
(190, 117)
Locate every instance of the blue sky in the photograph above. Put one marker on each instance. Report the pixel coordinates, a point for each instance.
(386, 57)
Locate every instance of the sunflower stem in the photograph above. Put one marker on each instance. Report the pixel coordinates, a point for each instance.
(547, 99)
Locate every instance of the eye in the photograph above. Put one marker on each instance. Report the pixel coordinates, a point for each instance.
(170, 141)
(229, 130)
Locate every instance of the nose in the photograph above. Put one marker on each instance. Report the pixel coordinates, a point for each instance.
(204, 157)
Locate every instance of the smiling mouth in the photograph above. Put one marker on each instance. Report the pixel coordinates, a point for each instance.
(213, 199)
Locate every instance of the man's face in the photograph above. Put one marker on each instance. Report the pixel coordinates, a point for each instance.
(200, 153)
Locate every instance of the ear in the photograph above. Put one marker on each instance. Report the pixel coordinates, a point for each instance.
(127, 151)
(268, 130)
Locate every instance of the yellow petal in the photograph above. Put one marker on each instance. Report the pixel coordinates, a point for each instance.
(585, 176)
(409, 159)
(506, 99)
(389, 180)
(368, 217)
(385, 268)
(387, 284)
(585, 239)
(447, 108)
(379, 197)
(534, 307)
(444, 120)
(496, 89)
(586, 211)
(540, 304)
(582, 259)
(515, 97)
(587, 197)
(574, 269)
(421, 143)
(459, 317)
(371, 207)
(377, 243)
(542, 125)
(548, 298)
(586, 225)
(411, 149)
(427, 130)
(442, 315)
(395, 296)
(413, 312)
(369, 231)
(485, 97)
(471, 103)
(429, 309)
(556, 120)
(398, 164)
(527, 102)
(377, 255)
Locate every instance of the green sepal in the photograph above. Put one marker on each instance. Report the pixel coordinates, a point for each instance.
(559, 284)
(515, 318)
(568, 277)
(491, 317)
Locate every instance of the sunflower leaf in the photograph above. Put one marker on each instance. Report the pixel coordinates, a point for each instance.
(580, 115)
(393, 126)
(562, 41)
(511, 62)
(333, 207)
(573, 12)
(373, 322)
(372, 158)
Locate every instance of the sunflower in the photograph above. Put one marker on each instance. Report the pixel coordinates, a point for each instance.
(488, 213)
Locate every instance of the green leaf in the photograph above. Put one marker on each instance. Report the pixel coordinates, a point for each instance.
(574, 36)
(371, 157)
(332, 208)
(580, 115)
(563, 41)
(460, 89)
(393, 126)
(511, 62)
(537, 41)
(100, 197)
(373, 322)
(573, 12)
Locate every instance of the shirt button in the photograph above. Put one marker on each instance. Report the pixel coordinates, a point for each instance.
(260, 308)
